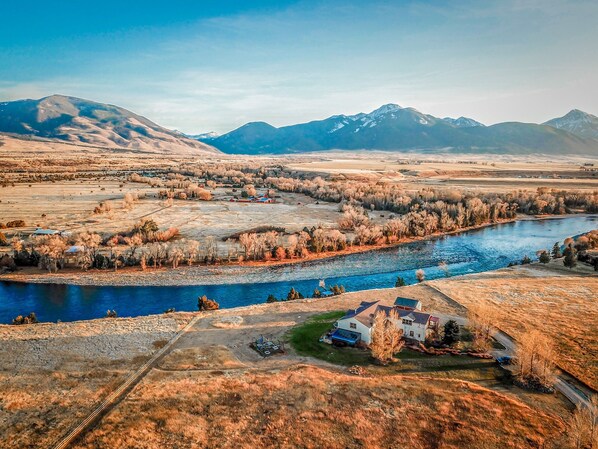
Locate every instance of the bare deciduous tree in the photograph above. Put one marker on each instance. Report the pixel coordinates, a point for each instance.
(386, 336)
(582, 430)
(535, 356)
(482, 318)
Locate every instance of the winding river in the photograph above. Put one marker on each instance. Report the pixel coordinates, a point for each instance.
(486, 249)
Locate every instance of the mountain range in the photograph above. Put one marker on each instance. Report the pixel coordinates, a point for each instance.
(76, 121)
(88, 123)
(392, 127)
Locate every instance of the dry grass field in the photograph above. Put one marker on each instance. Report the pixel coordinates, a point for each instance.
(69, 205)
(562, 306)
(51, 375)
(489, 173)
(311, 407)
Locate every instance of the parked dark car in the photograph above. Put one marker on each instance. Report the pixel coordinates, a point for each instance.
(504, 360)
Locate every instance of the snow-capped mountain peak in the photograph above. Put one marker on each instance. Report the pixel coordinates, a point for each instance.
(463, 122)
(385, 109)
(577, 122)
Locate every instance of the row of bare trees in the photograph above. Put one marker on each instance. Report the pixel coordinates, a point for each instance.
(535, 353)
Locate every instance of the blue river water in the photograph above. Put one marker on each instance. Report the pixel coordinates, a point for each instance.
(486, 249)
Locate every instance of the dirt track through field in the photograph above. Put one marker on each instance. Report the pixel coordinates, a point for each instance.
(117, 395)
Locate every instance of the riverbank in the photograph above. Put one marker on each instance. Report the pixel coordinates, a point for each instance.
(234, 273)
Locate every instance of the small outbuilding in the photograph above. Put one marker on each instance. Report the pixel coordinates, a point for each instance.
(407, 303)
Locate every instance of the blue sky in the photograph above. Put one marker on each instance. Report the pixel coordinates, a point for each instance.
(215, 65)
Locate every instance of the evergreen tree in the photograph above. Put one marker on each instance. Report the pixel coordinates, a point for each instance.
(556, 251)
(452, 332)
(400, 282)
(570, 257)
(294, 294)
(271, 298)
(526, 260)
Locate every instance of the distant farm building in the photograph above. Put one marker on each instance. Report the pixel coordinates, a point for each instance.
(39, 232)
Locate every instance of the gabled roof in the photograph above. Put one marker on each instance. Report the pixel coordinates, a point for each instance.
(415, 316)
(367, 310)
(362, 307)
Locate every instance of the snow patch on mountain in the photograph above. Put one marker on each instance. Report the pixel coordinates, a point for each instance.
(208, 135)
(463, 122)
(577, 122)
(383, 110)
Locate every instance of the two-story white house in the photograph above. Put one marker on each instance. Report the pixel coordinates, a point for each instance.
(357, 324)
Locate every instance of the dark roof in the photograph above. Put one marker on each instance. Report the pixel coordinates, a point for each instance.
(406, 302)
(363, 306)
(367, 310)
(346, 336)
(417, 317)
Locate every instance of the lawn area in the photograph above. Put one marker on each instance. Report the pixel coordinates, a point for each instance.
(305, 340)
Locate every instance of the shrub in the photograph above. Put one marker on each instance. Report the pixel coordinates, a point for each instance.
(7, 263)
(203, 303)
(570, 260)
(16, 224)
(544, 257)
(337, 290)
(294, 294)
(29, 319)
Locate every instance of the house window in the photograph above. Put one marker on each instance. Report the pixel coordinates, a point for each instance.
(353, 325)
(407, 322)
(411, 333)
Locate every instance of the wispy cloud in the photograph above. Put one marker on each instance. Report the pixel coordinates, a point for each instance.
(497, 60)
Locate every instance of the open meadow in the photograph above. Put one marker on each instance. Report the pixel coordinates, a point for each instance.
(490, 173)
(563, 307)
